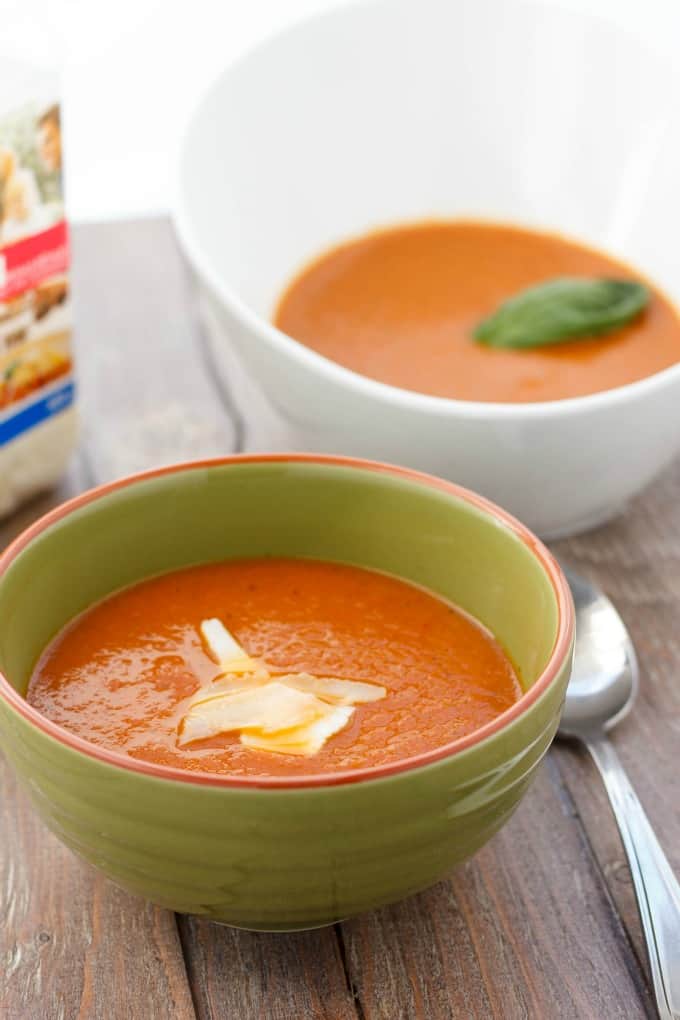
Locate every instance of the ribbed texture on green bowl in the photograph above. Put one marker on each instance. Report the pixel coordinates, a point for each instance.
(281, 859)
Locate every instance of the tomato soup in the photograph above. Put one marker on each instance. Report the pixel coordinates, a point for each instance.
(401, 305)
(125, 673)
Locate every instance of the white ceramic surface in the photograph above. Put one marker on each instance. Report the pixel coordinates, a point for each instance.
(382, 112)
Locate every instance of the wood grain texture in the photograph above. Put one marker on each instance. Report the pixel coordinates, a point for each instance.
(541, 924)
(72, 945)
(525, 930)
(636, 559)
(277, 977)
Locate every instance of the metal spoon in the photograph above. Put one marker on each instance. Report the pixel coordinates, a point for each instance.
(601, 691)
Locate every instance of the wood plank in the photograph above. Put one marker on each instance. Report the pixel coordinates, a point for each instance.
(277, 977)
(525, 929)
(636, 559)
(72, 944)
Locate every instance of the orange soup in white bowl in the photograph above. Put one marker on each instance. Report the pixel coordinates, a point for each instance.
(383, 117)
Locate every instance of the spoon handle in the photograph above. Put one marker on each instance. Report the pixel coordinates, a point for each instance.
(656, 888)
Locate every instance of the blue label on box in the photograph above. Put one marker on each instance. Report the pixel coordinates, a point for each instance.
(40, 410)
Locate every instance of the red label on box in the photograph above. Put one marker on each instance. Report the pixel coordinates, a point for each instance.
(28, 262)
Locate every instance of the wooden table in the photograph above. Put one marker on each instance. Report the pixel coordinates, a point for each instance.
(541, 924)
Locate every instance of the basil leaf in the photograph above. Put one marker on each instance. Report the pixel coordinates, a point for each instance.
(562, 309)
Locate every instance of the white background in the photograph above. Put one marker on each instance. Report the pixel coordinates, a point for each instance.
(133, 69)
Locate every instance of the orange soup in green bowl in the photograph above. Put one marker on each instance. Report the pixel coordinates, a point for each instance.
(279, 690)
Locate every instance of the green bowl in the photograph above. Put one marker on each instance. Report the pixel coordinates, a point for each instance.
(274, 853)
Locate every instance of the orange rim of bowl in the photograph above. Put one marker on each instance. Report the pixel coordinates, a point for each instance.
(563, 640)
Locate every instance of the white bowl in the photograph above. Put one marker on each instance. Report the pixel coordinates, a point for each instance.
(399, 110)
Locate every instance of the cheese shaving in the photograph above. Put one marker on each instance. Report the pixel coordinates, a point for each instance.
(224, 647)
(334, 689)
(230, 683)
(294, 713)
(268, 708)
(303, 740)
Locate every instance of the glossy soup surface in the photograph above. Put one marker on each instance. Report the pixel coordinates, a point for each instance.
(120, 674)
(400, 306)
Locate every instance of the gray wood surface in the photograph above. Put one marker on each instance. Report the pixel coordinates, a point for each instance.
(541, 924)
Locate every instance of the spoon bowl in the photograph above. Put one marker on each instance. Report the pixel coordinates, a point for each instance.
(604, 679)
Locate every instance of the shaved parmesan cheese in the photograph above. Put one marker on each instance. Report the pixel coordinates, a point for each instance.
(295, 713)
(268, 708)
(225, 648)
(230, 683)
(303, 740)
(334, 689)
